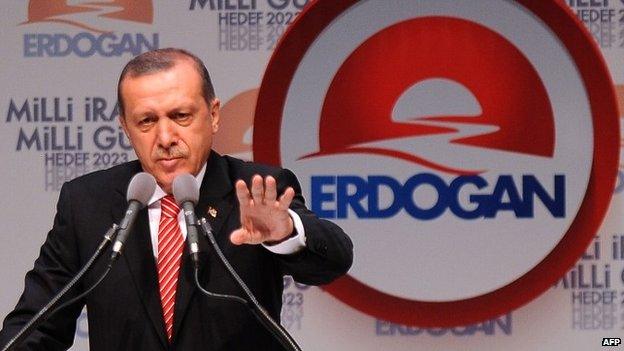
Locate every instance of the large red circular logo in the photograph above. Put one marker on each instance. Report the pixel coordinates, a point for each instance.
(470, 157)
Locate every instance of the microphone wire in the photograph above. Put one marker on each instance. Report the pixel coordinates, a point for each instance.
(216, 295)
(281, 334)
(45, 312)
(86, 292)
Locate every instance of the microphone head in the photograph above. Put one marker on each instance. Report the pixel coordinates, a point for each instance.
(185, 188)
(141, 188)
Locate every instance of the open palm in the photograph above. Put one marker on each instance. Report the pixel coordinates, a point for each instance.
(264, 218)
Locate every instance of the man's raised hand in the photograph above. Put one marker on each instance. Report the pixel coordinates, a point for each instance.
(264, 217)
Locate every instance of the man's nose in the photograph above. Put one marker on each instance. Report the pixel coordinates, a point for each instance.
(166, 133)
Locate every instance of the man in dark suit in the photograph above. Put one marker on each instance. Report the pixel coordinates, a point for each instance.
(169, 112)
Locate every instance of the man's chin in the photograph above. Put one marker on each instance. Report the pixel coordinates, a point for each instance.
(165, 179)
(166, 183)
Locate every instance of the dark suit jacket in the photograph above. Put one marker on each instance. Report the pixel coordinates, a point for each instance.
(124, 312)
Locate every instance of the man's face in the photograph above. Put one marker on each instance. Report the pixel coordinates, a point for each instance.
(168, 122)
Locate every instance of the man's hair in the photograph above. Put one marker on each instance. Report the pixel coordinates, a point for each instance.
(161, 60)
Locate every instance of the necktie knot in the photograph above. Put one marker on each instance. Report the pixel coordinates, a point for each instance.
(169, 207)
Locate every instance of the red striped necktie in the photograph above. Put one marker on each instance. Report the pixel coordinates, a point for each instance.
(170, 246)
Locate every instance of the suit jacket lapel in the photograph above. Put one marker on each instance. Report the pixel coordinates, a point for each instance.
(139, 257)
(214, 204)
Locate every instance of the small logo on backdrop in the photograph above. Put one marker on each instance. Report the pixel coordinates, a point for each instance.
(444, 141)
(236, 125)
(98, 22)
(59, 11)
(611, 341)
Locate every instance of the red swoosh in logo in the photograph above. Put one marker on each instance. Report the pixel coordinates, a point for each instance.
(367, 86)
(59, 11)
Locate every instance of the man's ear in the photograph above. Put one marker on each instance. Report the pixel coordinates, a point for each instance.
(215, 108)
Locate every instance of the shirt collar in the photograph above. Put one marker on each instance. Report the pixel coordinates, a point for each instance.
(159, 193)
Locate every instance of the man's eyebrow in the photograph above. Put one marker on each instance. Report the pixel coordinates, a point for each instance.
(142, 113)
(185, 107)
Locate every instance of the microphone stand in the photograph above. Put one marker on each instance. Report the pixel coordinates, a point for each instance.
(45, 312)
(278, 332)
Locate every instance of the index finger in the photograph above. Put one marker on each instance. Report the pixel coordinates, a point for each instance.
(242, 193)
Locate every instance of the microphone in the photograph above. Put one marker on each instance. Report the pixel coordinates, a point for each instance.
(140, 190)
(186, 193)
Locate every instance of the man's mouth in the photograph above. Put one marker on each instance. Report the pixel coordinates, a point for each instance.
(169, 163)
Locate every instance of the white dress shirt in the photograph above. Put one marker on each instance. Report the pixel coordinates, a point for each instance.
(286, 247)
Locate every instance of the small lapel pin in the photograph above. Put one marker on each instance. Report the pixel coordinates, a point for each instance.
(212, 211)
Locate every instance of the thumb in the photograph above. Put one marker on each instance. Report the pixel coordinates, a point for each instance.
(239, 236)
